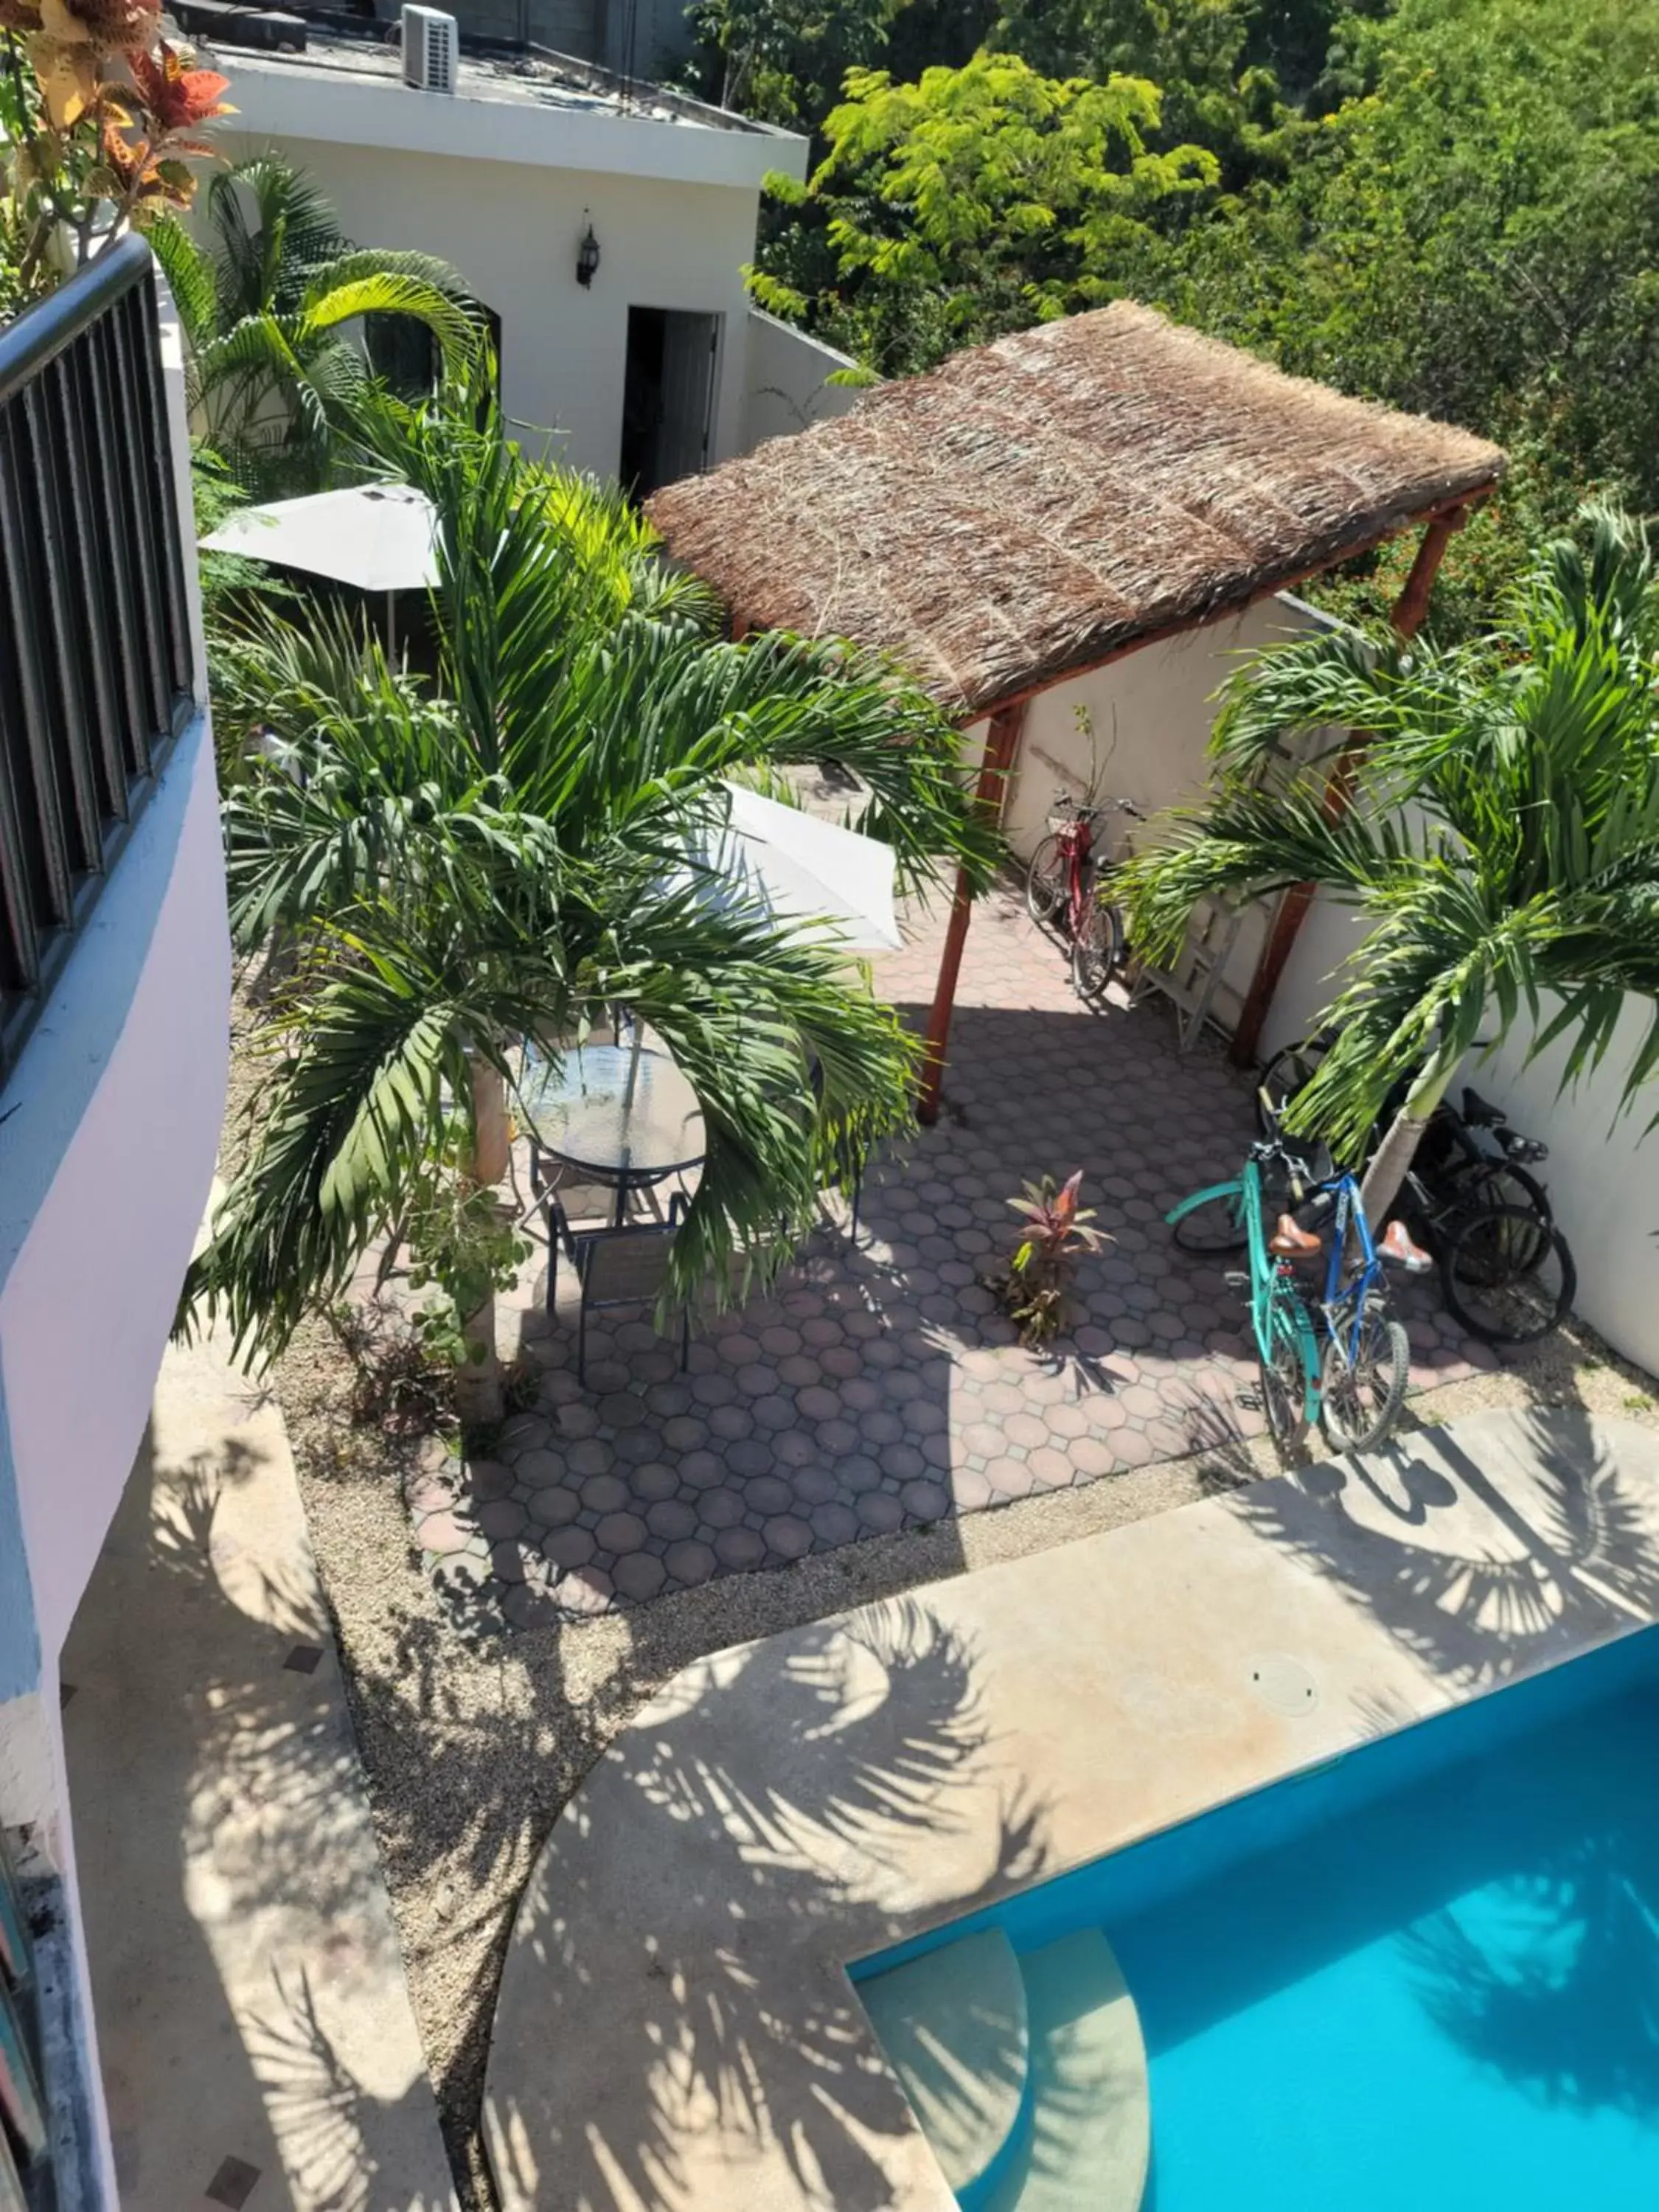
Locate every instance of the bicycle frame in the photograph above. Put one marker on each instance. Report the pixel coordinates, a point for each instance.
(1349, 1221)
(1276, 1305)
(1077, 845)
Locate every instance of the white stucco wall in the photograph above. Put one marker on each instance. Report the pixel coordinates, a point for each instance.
(511, 231)
(1603, 1175)
(109, 1129)
(1140, 729)
(89, 1300)
(1150, 714)
(788, 387)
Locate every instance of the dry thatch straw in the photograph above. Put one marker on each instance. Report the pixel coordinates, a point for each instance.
(1037, 505)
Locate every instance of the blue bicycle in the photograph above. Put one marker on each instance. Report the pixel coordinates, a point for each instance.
(1363, 1354)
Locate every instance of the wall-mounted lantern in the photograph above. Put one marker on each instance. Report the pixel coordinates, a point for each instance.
(587, 256)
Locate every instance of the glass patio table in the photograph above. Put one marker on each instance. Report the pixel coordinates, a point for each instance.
(623, 1117)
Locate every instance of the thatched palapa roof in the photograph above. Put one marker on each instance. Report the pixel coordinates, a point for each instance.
(1036, 506)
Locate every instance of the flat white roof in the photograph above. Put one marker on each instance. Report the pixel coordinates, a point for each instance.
(543, 109)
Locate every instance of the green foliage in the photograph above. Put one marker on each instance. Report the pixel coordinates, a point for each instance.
(1474, 235)
(503, 853)
(273, 307)
(459, 1245)
(1503, 845)
(784, 61)
(1035, 1287)
(976, 201)
(1208, 58)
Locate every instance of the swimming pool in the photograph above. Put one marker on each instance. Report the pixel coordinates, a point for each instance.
(1423, 1978)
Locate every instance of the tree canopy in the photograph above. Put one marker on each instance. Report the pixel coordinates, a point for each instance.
(981, 199)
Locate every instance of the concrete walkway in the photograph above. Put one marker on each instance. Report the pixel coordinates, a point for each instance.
(256, 2041)
(676, 2031)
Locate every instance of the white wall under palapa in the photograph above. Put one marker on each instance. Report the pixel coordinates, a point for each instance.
(1139, 729)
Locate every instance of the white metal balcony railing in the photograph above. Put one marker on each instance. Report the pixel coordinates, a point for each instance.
(96, 673)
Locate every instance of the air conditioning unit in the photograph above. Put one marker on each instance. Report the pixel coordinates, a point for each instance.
(432, 50)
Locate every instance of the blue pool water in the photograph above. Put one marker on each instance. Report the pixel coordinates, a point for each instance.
(1423, 1979)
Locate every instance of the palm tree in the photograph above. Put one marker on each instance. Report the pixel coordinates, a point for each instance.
(1502, 840)
(503, 855)
(272, 309)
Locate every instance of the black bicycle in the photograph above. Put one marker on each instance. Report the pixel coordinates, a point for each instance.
(1506, 1272)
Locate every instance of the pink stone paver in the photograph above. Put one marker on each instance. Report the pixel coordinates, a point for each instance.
(878, 1389)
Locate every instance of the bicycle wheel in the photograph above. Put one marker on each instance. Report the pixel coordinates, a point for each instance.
(1213, 1224)
(1045, 883)
(1290, 1069)
(1096, 949)
(1361, 1398)
(1286, 1374)
(1479, 1187)
(1506, 1276)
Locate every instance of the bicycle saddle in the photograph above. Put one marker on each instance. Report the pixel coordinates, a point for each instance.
(1480, 1114)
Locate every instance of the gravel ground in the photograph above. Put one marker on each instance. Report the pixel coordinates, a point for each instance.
(471, 1749)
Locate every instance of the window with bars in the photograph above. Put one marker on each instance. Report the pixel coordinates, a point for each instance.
(96, 673)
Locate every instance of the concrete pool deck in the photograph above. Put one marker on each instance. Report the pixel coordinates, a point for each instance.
(677, 2032)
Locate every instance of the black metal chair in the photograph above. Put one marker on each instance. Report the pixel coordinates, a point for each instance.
(624, 1267)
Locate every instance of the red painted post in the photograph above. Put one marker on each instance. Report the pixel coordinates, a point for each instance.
(1001, 747)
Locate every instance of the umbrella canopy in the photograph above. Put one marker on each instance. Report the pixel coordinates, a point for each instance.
(378, 537)
(798, 867)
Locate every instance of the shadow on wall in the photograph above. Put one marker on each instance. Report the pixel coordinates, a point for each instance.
(879, 1748)
(1478, 1585)
(230, 1883)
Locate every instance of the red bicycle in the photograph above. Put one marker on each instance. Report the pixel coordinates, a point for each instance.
(1069, 889)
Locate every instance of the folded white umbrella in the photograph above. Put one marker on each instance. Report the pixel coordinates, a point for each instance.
(798, 867)
(378, 537)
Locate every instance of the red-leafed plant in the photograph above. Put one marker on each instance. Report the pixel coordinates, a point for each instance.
(1035, 1287)
(103, 117)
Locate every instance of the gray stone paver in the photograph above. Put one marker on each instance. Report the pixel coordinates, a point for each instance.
(879, 1389)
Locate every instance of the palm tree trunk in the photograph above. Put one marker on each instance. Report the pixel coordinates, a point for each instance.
(1391, 1161)
(478, 1379)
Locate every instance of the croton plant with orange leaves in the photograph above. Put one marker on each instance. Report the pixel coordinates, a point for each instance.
(102, 117)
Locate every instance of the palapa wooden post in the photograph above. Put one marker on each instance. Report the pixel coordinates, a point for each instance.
(1407, 616)
(990, 794)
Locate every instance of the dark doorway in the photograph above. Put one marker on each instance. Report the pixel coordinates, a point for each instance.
(668, 397)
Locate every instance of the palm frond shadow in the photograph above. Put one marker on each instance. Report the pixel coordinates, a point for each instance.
(344, 2145)
(1575, 1562)
(1558, 1990)
(879, 1747)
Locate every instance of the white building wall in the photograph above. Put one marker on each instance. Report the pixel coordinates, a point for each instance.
(109, 1130)
(1140, 729)
(1602, 1174)
(788, 387)
(512, 230)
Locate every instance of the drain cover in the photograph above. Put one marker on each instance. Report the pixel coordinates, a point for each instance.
(1284, 1685)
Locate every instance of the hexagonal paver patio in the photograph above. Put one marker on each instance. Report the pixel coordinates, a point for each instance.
(878, 1389)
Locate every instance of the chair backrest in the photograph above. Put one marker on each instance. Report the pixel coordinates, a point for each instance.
(627, 1267)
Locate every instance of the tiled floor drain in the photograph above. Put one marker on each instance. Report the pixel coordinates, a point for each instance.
(234, 2184)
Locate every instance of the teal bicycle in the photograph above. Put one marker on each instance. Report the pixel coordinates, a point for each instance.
(1344, 1358)
(1226, 1217)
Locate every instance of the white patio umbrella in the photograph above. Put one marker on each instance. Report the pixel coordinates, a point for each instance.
(798, 867)
(377, 537)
